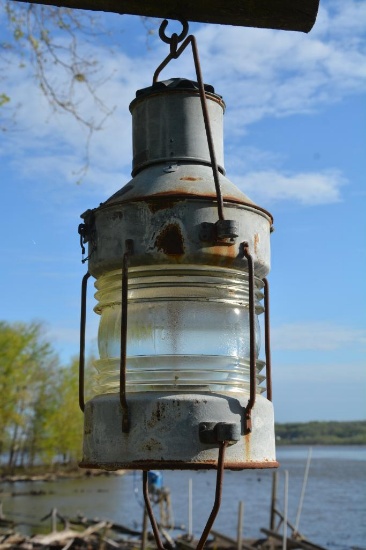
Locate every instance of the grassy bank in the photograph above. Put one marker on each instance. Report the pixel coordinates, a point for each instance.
(321, 433)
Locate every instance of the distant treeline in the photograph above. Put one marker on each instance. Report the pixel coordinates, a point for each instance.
(322, 433)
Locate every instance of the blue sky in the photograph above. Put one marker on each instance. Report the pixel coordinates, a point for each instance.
(294, 142)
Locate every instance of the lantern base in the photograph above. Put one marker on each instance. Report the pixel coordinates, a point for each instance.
(165, 432)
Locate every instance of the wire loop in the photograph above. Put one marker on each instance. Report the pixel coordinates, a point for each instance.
(174, 38)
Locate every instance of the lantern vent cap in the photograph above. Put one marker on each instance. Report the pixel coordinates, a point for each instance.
(172, 85)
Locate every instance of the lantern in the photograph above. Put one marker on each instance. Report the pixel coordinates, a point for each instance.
(180, 257)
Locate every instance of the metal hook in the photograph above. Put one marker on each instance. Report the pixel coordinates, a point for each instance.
(174, 38)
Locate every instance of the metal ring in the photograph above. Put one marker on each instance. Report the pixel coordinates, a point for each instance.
(179, 38)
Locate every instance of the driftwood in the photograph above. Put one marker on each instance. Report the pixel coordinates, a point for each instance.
(63, 536)
(293, 544)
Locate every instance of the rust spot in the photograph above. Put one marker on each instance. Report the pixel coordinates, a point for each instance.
(190, 178)
(162, 204)
(256, 242)
(170, 240)
(247, 442)
(156, 415)
(151, 445)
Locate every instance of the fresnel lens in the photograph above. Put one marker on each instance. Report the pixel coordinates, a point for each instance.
(179, 256)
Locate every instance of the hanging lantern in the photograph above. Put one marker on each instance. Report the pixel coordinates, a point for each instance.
(179, 256)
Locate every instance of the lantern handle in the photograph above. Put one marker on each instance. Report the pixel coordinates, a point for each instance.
(84, 285)
(267, 340)
(252, 350)
(215, 508)
(174, 54)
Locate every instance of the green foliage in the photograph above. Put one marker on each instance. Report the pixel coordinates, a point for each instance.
(322, 433)
(40, 420)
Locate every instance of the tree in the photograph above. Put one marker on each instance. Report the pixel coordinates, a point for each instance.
(66, 421)
(27, 367)
(45, 38)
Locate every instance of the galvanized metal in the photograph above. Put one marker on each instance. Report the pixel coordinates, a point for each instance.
(163, 212)
(164, 432)
(168, 125)
(169, 211)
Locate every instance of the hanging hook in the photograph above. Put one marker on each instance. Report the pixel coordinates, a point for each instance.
(175, 38)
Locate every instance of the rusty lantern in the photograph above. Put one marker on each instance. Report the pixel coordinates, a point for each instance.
(180, 256)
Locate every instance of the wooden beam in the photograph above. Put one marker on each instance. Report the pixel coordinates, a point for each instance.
(291, 15)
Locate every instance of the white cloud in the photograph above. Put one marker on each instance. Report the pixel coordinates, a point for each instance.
(261, 73)
(309, 188)
(316, 336)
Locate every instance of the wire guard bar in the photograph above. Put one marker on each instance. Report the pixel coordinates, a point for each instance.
(84, 286)
(253, 379)
(123, 354)
(267, 340)
(174, 54)
(214, 511)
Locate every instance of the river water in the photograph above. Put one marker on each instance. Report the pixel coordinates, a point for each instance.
(333, 512)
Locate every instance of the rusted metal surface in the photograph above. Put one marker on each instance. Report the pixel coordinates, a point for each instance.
(84, 286)
(145, 489)
(170, 240)
(146, 465)
(123, 354)
(160, 436)
(174, 54)
(218, 493)
(267, 340)
(179, 194)
(253, 379)
(293, 15)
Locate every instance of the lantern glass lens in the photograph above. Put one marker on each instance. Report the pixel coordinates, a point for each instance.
(188, 330)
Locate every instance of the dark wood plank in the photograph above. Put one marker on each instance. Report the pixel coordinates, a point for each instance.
(295, 15)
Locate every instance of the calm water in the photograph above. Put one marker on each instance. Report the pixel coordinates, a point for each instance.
(333, 514)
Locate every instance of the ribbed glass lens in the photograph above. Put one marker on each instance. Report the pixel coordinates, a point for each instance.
(188, 330)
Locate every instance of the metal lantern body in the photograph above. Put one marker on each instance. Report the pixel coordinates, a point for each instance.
(187, 381)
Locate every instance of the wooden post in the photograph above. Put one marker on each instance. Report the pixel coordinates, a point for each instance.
(285, 513)
(54, 520)
(240, 525)
(304, 483)
(190, 514)
(144, 530)
(272, 521)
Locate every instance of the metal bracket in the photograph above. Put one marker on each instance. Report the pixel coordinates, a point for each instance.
(222, 232)
(216, 432)
(86, 231)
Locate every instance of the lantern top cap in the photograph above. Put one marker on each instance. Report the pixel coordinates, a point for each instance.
(175, 85)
